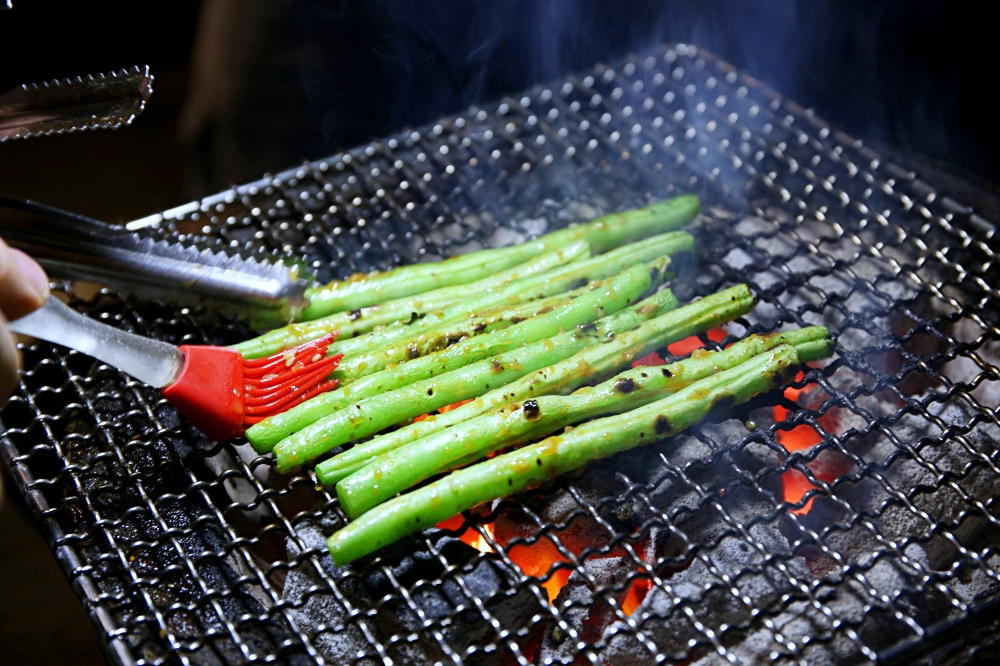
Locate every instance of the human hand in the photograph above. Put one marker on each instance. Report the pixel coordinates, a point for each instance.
(23, 288)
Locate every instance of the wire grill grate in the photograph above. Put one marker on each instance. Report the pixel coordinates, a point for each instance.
(183, 550)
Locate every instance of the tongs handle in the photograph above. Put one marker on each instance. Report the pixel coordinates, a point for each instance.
(104, 101)
(56, 237)
(81, 248)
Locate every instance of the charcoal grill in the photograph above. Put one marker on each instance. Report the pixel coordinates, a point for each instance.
(690, 551)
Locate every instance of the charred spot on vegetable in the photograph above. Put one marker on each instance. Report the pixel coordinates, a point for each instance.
(587, 328)
(479, 326)
(430, 391)
(412, 351)
(531, 410)
(667, 373)
(724, 403)
(662, 425)
(354, 315)
(496, 366)
(452, 338)
(789, 372)
(516, 320)
(625, 385)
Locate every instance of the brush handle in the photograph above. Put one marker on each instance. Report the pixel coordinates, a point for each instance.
(150, 361)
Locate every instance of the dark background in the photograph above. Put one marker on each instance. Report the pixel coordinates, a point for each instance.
(295, 79)
(315, 76)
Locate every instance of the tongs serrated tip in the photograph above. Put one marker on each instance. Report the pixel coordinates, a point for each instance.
(102, 101)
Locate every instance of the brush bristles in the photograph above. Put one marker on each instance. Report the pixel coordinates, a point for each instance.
(279, 382)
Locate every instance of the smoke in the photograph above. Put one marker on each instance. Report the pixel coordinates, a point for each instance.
(443, 55)
(885, 71)
(322, 75)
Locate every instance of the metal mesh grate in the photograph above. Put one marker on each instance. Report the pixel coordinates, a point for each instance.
(696, 549)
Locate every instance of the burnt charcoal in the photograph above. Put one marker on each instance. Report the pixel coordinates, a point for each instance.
(918, 468)
(314, 607)
(575, 530)
(443, 599)
(722, 586)
(585, 608)
(221, 572)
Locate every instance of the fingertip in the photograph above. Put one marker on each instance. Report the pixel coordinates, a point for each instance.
(10, 363)
(33, 273)
(24, 286)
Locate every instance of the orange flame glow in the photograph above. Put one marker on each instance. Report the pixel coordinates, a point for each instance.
(801, 438)
(446, 408)
(536, 560)
(636, 594)
(454, 405)
(470, 536)
(688, 345)
(680, 348)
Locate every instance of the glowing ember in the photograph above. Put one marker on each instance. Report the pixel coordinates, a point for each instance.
(446, 408)
(637, 592)
(801, 438)
(796, 486)
(534, 560)
(647, 360)
(680, 348)
(537, 559)
(554, 585)
(455, 405)
(477, 540)
(469, 536)
(688, 345)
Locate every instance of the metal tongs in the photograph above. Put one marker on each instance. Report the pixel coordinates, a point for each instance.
(81, 248)
(77, 247)
(102, 101)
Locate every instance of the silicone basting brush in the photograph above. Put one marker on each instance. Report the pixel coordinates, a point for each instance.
(219, 391)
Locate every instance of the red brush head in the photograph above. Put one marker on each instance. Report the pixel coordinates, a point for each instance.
(222, 394)
(279, 382)
(209, 390)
